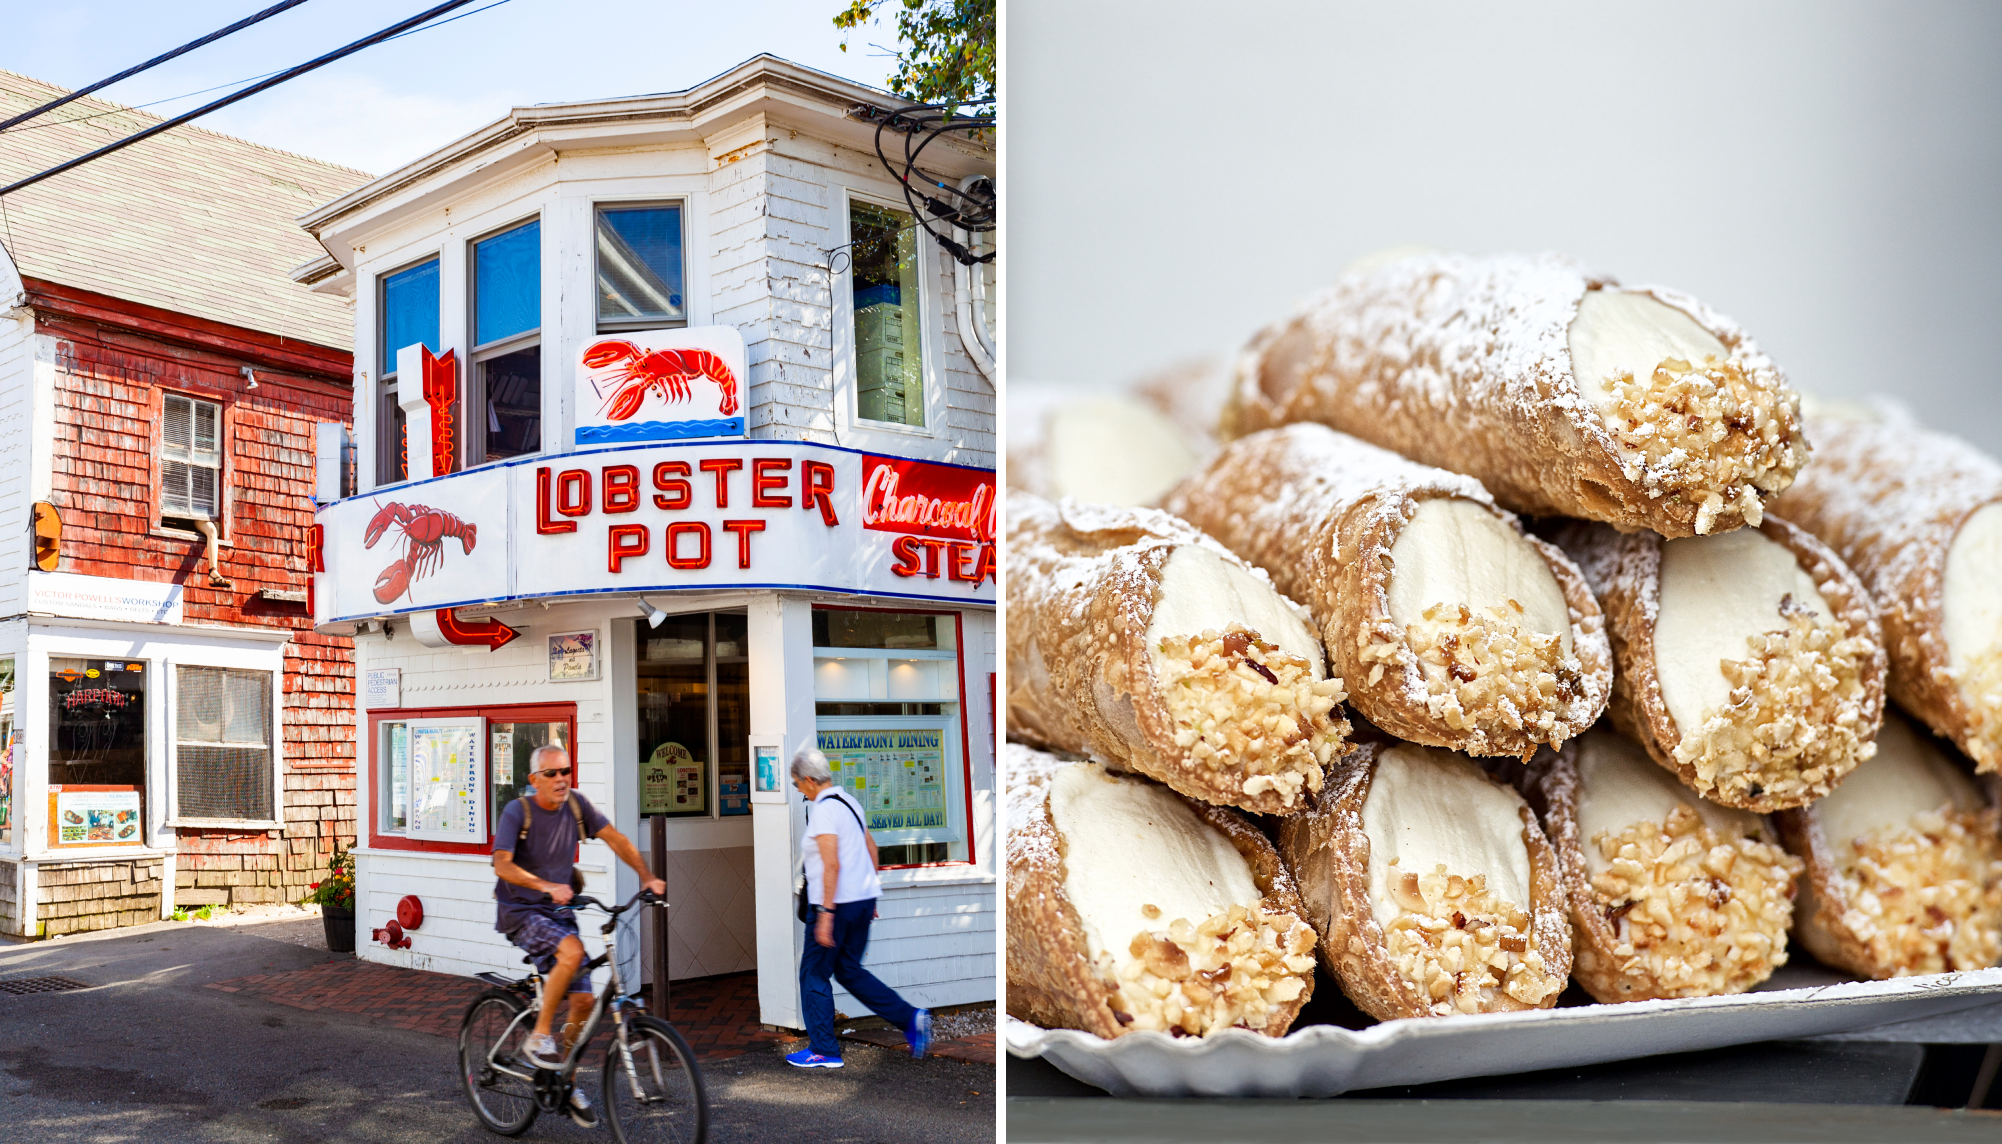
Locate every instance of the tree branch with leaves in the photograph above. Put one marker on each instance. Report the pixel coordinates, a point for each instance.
(945, 47)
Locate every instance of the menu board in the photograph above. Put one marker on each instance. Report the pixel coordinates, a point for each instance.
(95, 816)
(897, 776)
(447, 800)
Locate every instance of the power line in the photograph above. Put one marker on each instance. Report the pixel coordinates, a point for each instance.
(190, 46)
(338, 53)
(120, 110)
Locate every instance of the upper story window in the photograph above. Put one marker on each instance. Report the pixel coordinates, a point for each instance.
(190, 459)
(409, 309)
(886, 278)
(505, 387)
(639, 267)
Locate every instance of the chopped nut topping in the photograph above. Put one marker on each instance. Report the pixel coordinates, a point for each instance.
(1696, 914)
(1710, 433)
(1461, 946)
(1242, 704)
(1235, 969)
(1795, 723)
(1981, 691)
(1926, 897)
(1489, 671)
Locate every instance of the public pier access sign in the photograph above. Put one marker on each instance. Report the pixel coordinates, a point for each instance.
(656, 518)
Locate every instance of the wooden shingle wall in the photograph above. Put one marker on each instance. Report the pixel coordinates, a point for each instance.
(105, 483)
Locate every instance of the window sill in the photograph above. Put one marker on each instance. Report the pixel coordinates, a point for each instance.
(225, 823)
(943, 874)
(161, 532)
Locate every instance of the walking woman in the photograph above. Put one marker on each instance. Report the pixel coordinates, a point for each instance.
(841, 882)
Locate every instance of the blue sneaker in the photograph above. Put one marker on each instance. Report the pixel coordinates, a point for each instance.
(808, 1059)
(919, 1034)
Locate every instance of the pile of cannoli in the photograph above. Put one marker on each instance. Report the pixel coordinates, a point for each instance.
(1489, 626)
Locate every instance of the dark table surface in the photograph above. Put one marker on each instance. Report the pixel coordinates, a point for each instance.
(1778, 1090)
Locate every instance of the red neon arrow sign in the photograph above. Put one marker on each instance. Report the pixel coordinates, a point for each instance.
(492, 633)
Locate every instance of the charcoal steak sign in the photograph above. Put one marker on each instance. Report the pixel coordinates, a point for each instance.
(657, 518)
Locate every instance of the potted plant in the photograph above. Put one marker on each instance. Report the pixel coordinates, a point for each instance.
(335, 895)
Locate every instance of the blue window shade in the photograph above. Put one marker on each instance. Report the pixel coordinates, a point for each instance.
(507, 283)
(409, 311)
(639, 264)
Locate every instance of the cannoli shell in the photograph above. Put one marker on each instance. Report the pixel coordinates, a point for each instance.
(1327, 849)
(1082, 584)
(1320, 510)
(1051, 981)
(1465, 363)
(1889, 498)
(1624, 569)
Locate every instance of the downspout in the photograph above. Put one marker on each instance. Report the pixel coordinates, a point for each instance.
(973, 331)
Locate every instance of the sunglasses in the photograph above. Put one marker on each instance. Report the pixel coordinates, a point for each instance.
(558, 773)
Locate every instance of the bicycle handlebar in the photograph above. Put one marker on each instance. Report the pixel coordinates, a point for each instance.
(644, 897)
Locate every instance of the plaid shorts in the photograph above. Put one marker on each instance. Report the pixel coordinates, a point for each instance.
(539, 936)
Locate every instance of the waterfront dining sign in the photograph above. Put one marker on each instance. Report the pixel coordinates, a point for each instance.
(656, 518)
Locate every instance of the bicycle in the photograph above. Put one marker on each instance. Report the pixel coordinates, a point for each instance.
(652, 1087)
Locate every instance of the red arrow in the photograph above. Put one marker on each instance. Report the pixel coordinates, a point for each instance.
(492, 633)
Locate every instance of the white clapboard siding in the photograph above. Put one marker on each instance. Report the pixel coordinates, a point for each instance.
(932, 944)
(457, 890)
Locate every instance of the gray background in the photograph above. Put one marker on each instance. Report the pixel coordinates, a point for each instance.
(1829, 174)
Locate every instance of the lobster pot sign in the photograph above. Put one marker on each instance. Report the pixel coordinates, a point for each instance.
(652, 518)
(426, 544)
(661, 385)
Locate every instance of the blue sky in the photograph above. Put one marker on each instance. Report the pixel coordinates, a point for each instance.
(389, 104)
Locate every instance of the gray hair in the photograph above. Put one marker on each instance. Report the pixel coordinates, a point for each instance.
(811, 765)
(535, 756)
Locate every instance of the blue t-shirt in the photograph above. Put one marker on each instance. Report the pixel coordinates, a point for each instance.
(549, 852)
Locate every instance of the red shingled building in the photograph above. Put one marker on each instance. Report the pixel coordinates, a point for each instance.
(173, 732)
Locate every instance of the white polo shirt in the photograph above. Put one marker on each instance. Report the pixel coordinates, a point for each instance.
(856, 881)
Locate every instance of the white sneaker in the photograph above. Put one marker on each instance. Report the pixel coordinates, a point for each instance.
(581, 1111)
(542, 1051)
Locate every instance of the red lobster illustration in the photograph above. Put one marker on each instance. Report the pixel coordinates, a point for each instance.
(424, 532)
(668, 371)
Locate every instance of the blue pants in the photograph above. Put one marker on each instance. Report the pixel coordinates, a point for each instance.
(844, 962)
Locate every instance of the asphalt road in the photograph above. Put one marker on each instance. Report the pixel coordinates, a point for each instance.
(147, 1054)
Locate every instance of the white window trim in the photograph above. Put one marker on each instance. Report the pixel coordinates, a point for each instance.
(171, 739)
(931, 441)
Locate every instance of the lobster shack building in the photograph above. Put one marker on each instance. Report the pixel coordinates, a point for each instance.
(675, 439)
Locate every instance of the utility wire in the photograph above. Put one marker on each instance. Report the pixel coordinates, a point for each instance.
(190, 46)
(274, 81)
(120, 110)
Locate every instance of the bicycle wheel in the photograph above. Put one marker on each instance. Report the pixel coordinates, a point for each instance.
(661, 1098)
(504, 1103)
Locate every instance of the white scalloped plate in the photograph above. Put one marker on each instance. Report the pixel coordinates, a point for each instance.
(1326, 1060)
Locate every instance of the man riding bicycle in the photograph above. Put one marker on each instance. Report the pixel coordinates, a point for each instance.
(535, 852)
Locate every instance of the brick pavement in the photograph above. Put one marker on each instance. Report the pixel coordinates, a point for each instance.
(718, 1015)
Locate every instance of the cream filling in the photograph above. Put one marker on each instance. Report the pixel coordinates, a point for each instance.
(1201, 591)
(1971, 602)
(1617, 332)
(1453, 551)
(1428, 807)
(1619, 786)
(1717, 592)
(1113, 450)
(1908, 776)
(1130, 844)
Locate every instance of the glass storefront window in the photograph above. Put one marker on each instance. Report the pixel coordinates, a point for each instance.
(886, 689)
(674, 717)
(7, 751)
(694, 678)
(97, 713)
(510, 745)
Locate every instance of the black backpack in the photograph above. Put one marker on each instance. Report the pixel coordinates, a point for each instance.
(576, 875)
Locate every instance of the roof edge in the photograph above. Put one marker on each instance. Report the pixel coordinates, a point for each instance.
(762, 68)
